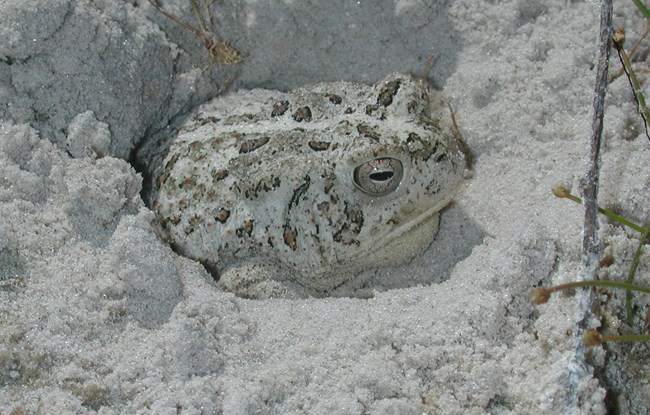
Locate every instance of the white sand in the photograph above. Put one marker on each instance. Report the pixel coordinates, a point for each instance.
(99, 316)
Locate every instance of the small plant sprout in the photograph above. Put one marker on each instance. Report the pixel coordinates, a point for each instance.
(221, 51)
(593, 338)
(562, 192)
(646, 14)
(618, 41)
(632, 52)
(541, 295)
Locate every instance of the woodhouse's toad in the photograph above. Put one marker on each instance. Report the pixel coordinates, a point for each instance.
(310, 187)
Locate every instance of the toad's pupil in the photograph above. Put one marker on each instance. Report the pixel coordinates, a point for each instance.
(381, 176)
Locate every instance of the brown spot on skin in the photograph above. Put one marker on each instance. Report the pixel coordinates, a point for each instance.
(318, 145)
(323, 206)
(182, 204)
(195, 152)
(387, 92)
(247, 228)
(289, 237)
(209, 119)
(252, 145)
(264, 185)
(200, 191)
(216, 143)
(175, 218)
(351, 228)
(328, 186)
(187, 181)
(343, 235)
(335, 99)
(413, 137)
(355, 216)
(411, 106)
(222, 215)
(160, 180)
(371, 108)
(268, 185)
(302, 114)
(172, 161)
(170, 164)
(368, 132)
(297, 194)
(195, 220)
(433, 187)
(279, 108)
(218, 175)
(344, 127)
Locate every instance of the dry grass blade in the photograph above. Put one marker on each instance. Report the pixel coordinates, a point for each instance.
(221, 51)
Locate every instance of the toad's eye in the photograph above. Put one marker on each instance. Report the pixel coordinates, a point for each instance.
(379, 177)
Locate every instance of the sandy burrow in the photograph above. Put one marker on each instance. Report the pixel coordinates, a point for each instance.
(98, 315)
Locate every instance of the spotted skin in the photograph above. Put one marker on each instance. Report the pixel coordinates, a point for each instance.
(310, 187)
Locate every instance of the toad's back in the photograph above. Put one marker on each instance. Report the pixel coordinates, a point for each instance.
(314, 185)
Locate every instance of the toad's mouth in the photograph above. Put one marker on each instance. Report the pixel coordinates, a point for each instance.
(407, 240)
(399, 245)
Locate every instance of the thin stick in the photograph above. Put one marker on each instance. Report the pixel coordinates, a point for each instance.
(590, 244)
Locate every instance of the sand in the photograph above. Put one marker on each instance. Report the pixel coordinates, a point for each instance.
(99, 316)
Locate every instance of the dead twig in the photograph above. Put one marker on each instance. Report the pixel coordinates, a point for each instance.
(589, 184)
